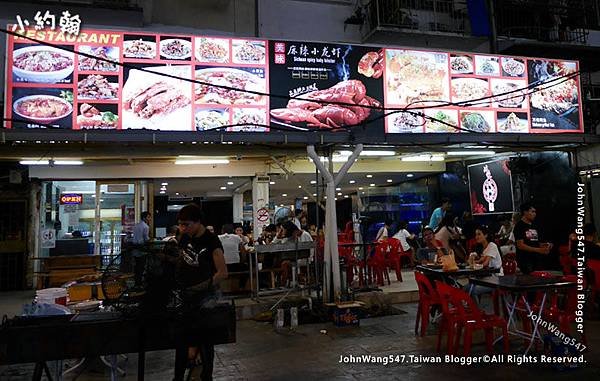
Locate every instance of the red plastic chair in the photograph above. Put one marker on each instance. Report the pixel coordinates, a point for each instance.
(449, 320)
(594, 267)
(393, 259)
(470, 318)
(428, 297)
(564, 252)
(377, 263)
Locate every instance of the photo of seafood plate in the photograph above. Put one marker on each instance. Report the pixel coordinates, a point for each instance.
(97, 86)
(467, 89)
(107, 58)
(477, 121)
(513, 98)
(211, 119)
(413, 76)
(212, 50)
(175, 49)
(312, 110)
(512, 123)
(486, 65)
(461, 65)
(558, 99)
(513, 67)
(235, 78)
(139, 49)
(248, 52)
(405, 122)
(445, 121)
(249, 120)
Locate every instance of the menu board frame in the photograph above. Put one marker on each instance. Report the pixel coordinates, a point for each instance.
(209, 109)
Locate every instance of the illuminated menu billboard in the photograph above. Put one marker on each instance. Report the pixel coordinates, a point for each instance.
(313, 86)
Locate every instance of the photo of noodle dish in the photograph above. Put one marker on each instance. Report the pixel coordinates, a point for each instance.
(42, 64)
(249, 120)
(212, 49)
(513, 97)
(42, 108)
(445, 121)
(513, 67)
(246, 51)
(477, 121)
(413, 76)
(139, 49)
(232, 78)
(512, 122)
(106, 58)
(211, 119)
(461, 64)
(467, 89)
(405, 123)
(175, 49)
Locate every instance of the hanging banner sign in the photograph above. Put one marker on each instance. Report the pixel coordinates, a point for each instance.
(278, 85)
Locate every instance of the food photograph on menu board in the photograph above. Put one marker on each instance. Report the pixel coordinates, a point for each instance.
(490, 187)
(42, 108)
(156, 102)
(555, 105)
(34, 63)
(314, 74)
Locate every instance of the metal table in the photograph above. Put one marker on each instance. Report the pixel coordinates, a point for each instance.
(517, 286)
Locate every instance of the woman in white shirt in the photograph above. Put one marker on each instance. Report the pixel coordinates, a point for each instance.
(382, 234)
(489, 259)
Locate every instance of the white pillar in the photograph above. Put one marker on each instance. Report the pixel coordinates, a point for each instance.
(238, 207)
(260, 201)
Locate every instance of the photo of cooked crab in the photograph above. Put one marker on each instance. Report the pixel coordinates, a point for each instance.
(487, 65)
(96, 86)
(477, 121)
(470, 91)
(414, 77)
(211, 119)
(408, 122)
(512, 122)
(461, 64)
(513, 67)
(312, 110)
(212, 49)
(98, 116)
(252, 79)
(176, 48)
(106, 58)
(248, 52)
(139, 46)
(441, 120)
(509, 93)
(42, 64)
(157, 102)
(249, 120)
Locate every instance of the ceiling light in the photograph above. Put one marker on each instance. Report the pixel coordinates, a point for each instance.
(68, 162)
(305, 197)
(360, 188)
(371, 185)
(437, 157)
(339, 194)
(471, 153)
(223, 188)
(163, 188)
(369, 153)
(390, 180)
(230, 183)
(335, 198)
(164, 184)
(299, 186)
(409, 175)
(34, 162)
(190, 160)
(337, 189)
(314, 195)
(325, 197)
(176, 193)
(161, 192)
(346, 196)
(313, 181)
(351, 181)
(272, 182)
(280, 204)
(369, 176)
(284, 195)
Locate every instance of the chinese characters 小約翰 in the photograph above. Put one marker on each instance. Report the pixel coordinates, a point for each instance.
(68, 24)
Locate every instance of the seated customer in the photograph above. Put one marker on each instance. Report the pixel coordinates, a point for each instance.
(430, 248)
(233, 246)
(489, 259)
(403, 236)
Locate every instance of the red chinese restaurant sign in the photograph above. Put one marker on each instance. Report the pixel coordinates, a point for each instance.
(419, 91)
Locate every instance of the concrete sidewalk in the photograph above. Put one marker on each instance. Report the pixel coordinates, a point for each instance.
(306, 354)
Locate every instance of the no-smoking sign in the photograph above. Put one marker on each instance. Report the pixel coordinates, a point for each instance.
(262, 215)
